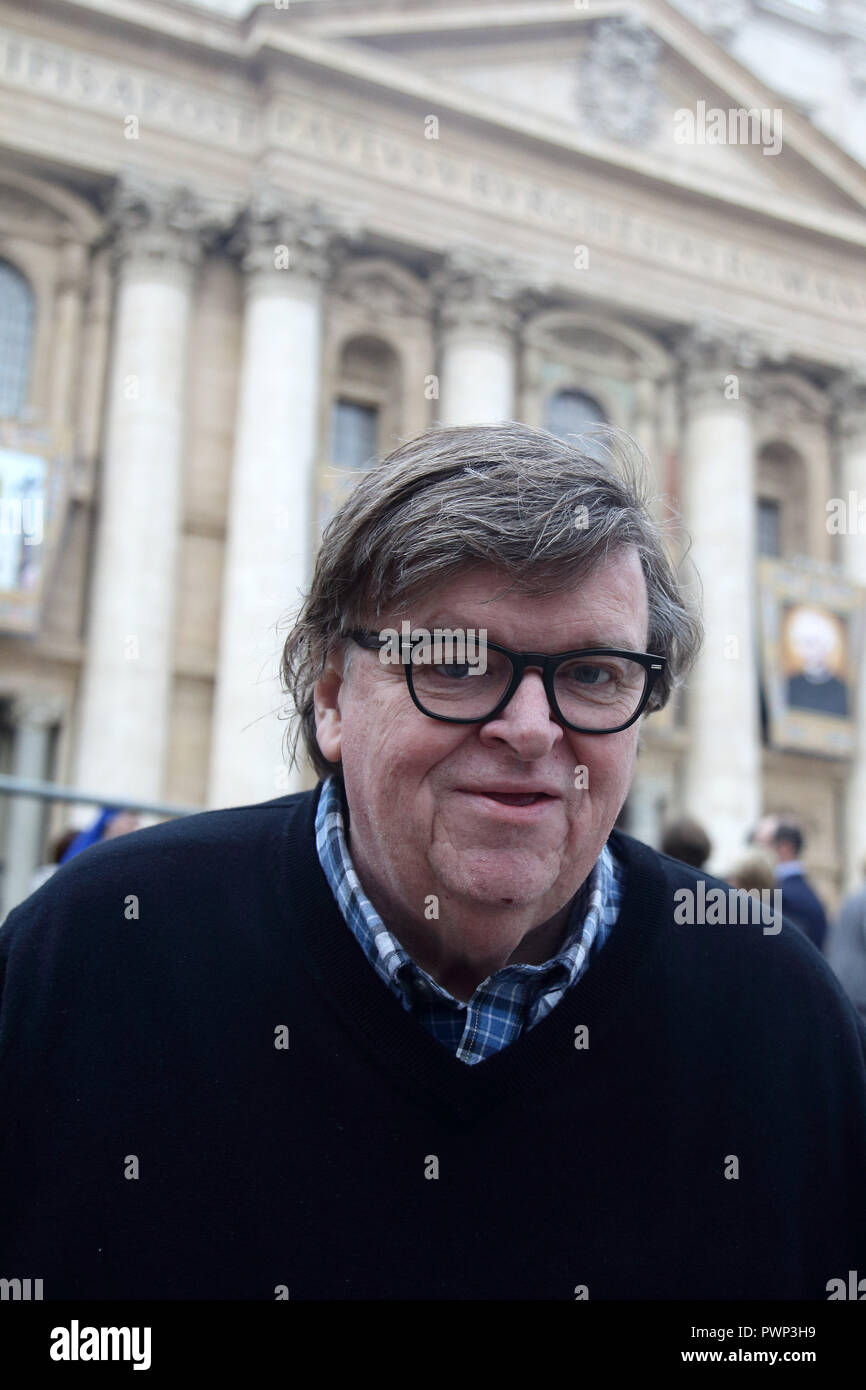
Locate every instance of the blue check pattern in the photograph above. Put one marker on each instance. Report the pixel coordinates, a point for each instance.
(506, 1004)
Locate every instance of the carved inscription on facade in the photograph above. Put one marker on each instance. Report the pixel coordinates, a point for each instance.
(393, 157)
(87, 81)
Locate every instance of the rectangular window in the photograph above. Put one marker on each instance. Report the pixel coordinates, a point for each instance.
(354, 434)
(769, 527)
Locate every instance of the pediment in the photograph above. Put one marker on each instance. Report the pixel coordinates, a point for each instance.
(637, 85)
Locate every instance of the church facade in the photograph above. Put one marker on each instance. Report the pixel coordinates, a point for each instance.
(240, 255)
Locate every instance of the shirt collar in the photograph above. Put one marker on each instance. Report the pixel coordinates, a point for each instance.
(389, 957)
(788, 868)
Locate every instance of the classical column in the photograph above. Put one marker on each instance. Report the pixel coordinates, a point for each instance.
(477, 323)
(124, 706)
(851, 437)
(285, 245)
(722, 784)
(34, 717)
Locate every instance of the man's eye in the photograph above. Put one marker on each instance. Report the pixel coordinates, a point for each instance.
(451, 671)
(590, 675)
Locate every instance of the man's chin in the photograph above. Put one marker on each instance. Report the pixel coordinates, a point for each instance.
(485, 883)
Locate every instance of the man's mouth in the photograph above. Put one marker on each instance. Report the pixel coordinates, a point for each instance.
(513, 799)
(531, 797)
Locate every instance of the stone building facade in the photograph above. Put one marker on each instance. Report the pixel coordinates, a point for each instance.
(240, 254)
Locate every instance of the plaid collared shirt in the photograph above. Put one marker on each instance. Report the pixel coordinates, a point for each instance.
(508, 1002)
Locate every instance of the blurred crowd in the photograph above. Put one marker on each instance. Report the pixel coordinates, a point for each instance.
(773, 860)
(111, 822)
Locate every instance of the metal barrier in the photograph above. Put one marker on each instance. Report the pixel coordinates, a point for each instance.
(53, 791)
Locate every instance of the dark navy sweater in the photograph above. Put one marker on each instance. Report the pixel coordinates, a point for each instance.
(157, 1142)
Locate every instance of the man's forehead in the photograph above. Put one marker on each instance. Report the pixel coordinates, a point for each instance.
(611, 594)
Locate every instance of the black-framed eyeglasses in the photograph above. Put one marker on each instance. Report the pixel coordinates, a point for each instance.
(595, 690)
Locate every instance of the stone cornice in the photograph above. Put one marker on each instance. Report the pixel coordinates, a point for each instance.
(826, 158)
(721, 21)
(267, 38)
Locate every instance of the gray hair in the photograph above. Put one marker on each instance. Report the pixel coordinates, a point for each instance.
(507, 495)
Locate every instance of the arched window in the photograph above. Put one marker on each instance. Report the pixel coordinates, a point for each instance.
(363, 418)
(781, 509)
(571, 412)
(16, 340)
(367, 388)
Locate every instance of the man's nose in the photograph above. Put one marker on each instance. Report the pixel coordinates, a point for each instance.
(527, 722)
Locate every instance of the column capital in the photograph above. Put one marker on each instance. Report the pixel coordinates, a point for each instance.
(477, 292)
(848, 395)
(709, 356)
(787, 401)
(163, 224)
(280, 231)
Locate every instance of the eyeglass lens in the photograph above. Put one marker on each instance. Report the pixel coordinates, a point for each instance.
(597, 692)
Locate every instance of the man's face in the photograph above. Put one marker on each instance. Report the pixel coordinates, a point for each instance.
(815, 641)
(419, 826)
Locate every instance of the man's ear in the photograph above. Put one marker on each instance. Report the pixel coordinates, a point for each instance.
(326, 698)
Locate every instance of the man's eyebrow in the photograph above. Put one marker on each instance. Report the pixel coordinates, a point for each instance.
(586, 643)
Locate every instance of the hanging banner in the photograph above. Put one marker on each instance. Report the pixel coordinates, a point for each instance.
(31, 479)
(812, 627)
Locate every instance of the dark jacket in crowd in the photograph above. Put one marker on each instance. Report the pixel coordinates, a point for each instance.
(847, 950)
(801, 903)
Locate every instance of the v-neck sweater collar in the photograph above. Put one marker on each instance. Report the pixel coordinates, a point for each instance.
(544, 1054)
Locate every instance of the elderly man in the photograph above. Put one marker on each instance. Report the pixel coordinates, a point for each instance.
(435, 1029)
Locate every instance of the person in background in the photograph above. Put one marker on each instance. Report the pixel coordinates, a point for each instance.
(846, 952)
(753, 873)
(58, 849)
(108, 825)
(686, 840)
(800, 902)
(111, 822)
(762, 836)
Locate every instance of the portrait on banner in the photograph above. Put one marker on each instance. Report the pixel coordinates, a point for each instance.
(811, 640)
